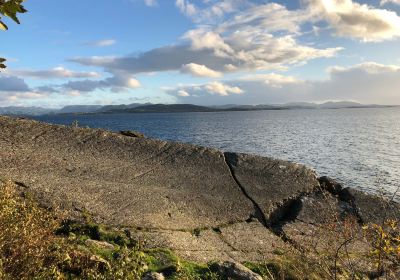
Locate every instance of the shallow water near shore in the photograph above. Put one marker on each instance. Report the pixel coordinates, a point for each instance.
(358, 147)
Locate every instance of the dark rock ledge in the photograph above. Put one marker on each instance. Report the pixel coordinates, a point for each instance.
(202, 203)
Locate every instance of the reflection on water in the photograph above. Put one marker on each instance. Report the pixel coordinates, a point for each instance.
(359, 147)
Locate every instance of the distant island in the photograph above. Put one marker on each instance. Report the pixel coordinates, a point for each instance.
(179, 108)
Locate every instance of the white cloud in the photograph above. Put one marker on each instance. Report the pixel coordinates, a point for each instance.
(367, 67)
(151, 3)
(204, 39)
(213, 88)
(14, 89)
(368, 83)
(238, 51)
(183, 93)
(354, 20)
(55, 73)
(118, 82)
(383, 2)
(102, 43)
(245, 37)
(272, 79)
(198, 70)
(186, 7)
(269, 17)
(222, 89)
(211, 10)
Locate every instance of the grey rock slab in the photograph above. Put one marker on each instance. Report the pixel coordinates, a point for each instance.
(251, 241)
(202, 247)
(374, 209)
(270, 182)
(246, 241)
(122, 180)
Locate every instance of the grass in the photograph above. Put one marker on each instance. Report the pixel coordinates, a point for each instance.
(38, 244)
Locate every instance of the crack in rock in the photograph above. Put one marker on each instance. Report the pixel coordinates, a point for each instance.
(259, 214)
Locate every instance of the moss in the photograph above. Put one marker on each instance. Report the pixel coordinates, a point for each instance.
(95, 231)
(190, 270)
(162, 260)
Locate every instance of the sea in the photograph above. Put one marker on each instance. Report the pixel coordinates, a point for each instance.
(360, 147)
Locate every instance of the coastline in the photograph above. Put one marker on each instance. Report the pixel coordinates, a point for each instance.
(199, 202)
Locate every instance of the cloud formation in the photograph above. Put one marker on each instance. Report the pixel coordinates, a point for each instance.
(118, 82)
(12, 84)
(367, 83)
(237, 51)
(383, 2)
(101, 43)
(358, 21)
(55, 73)
(13, 89)
(151, 3)
(198, 70)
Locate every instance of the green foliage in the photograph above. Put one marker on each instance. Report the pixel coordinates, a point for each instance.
(10, 9)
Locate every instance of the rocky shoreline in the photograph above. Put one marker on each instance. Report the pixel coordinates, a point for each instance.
(203, 204)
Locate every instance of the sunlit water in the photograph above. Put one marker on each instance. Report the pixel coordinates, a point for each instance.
(358, 147)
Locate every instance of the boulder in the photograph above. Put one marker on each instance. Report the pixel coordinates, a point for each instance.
(234, 270)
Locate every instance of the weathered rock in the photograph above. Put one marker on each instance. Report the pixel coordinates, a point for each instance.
(198, 201)
(153, 276)
(369, 208)
(271, 184)
(233, 270)
(122, 180)
(375, 209)
(247, 241)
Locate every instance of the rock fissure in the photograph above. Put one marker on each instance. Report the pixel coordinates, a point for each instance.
(258, 213)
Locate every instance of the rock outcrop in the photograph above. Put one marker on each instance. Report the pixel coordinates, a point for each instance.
(202, 203)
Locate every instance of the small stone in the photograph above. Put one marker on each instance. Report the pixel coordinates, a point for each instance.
(234, 270)
(153, 276)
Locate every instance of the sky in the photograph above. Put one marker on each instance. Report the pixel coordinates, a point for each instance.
(204, 52)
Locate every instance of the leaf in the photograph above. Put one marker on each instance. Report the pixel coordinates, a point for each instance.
(3, 26)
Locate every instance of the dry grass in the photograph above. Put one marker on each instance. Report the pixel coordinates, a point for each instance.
(26, 235)
(30, 249)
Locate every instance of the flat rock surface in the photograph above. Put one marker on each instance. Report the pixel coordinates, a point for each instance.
(202, 203)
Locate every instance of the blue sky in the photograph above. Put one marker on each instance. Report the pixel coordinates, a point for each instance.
(202, 51)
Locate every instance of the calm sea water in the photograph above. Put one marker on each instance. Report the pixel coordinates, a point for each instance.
(358, 147)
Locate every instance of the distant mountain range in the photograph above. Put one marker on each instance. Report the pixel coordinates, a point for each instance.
(176, 108)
